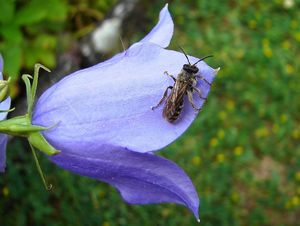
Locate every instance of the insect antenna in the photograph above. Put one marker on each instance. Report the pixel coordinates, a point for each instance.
(185, 55)
(203, 58)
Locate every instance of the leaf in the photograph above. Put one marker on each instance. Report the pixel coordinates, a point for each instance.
(56, 10)
(35, 11)
(7, 10)
(40, 50)
(11, 33)
(32, 12)
(12, 60)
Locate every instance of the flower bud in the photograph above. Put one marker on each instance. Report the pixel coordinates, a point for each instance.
(4, 89)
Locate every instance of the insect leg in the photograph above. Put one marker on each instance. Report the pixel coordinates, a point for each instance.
(190, 97)
(163, 98)
(198, 91)
(170, 76)
(202, 78)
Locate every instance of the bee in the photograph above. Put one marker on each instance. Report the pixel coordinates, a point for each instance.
(184, 84)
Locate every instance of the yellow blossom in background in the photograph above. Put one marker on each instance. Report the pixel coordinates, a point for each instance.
(196, 160)
(289, 69)
(221, 134)
(266, 47)
(297, 36)
(238, 150)
(222, 115)
(213, 142)
(220, 158)
(165, 212)
(267, 51)
(230, 105)
(295, 201)
(235, 197)
(262, 132)
(296, 133)
(5, 191)
(283, 118)
(286, 44)
(252, 24)
(265, 42)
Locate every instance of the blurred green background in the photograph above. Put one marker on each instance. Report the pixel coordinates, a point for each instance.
(243, 151)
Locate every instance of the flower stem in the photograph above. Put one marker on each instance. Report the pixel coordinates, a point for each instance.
(31, 91)
(38, 166)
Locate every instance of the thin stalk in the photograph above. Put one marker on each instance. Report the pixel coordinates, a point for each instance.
(47, 186)
(34, 84)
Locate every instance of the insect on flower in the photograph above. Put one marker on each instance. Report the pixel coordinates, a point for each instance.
(185, 84)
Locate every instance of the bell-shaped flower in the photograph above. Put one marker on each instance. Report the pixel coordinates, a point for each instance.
(101, 121)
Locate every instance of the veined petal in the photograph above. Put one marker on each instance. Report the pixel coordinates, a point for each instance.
(141, 178)
(162, 33)
(110, 104)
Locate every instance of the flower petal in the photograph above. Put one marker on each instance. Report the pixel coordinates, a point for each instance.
(4, 105)
(3, 142)
(110, 104)
(141, 178)
(162, 33)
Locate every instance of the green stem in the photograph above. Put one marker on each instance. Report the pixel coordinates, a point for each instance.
(34, 85)
(38, 166)
(28, 93)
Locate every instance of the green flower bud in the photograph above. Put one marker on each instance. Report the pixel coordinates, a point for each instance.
(4, 89)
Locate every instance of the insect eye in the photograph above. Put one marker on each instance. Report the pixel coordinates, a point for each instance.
(195, 69)
(186, 66)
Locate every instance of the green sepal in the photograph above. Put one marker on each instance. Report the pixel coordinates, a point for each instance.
(21, 126)
(37, 140)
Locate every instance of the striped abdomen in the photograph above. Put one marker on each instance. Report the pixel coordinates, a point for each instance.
(174, 103)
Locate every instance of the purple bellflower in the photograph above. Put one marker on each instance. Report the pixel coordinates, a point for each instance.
(4, 105)
(101, 121)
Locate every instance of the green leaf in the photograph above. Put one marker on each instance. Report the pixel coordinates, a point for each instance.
(56, 10)
(35, 12)
(40, 50)
(11, 33)
(32, 12)
(12, 60)
(7, 10)
(45, 41)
